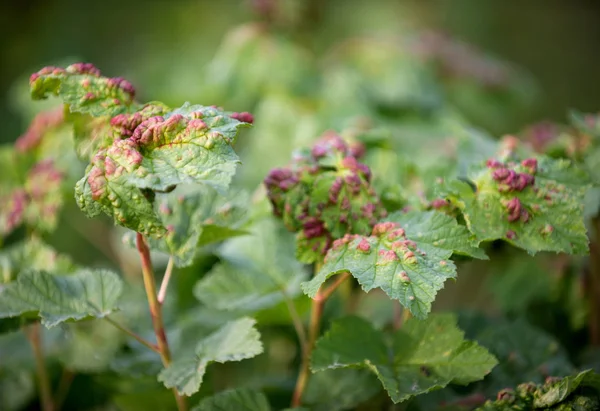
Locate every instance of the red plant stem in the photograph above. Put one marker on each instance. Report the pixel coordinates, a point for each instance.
(156, 311)
(316, 313)
(34, 336)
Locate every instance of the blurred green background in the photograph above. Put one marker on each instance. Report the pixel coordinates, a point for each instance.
(163, 46)
(176, 51)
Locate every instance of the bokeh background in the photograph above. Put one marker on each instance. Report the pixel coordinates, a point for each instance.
(306, 72)
(164, 46)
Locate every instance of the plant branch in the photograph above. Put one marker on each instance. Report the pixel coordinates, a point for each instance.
(316, 313)
(35, 338)
(156, 311)
(127, 331)
(162, 293)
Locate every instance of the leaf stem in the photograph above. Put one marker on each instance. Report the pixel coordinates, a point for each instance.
(156, 311)
(127, 331)
(34, 335)
(316, 313)
(296, 320)
(162, 293)
(63, 387)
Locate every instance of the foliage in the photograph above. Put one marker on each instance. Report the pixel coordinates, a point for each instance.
(315, 285)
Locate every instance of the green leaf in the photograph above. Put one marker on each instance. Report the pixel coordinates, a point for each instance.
(82, 87)
(256, 272)
(195, 219)
(192, 144)
(407, 257)
(34, 255)
(421, 357)
(566, 386)
(57, 299)
(543, 215)
(235, 341)
(333, 390)
(241, 399)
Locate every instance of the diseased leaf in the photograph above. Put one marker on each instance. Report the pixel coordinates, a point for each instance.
(235, 341)
(407, 257)
(324, 194)
(57, 298)
(94, 133)
(574, 392)
(421, 357)
(256, 272)
(36, 203)
(192, 144)
(241, 399)
(34, 255)
(84, 89)
(195, 219)
(534, 204)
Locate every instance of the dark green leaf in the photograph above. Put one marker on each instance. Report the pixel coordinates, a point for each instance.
(422, 356)
(241, 399)
(333, 390)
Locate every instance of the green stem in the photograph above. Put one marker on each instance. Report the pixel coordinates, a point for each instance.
(156, 311)
(34, 336)
(296, 320)
(316, 313)
(127, 331)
